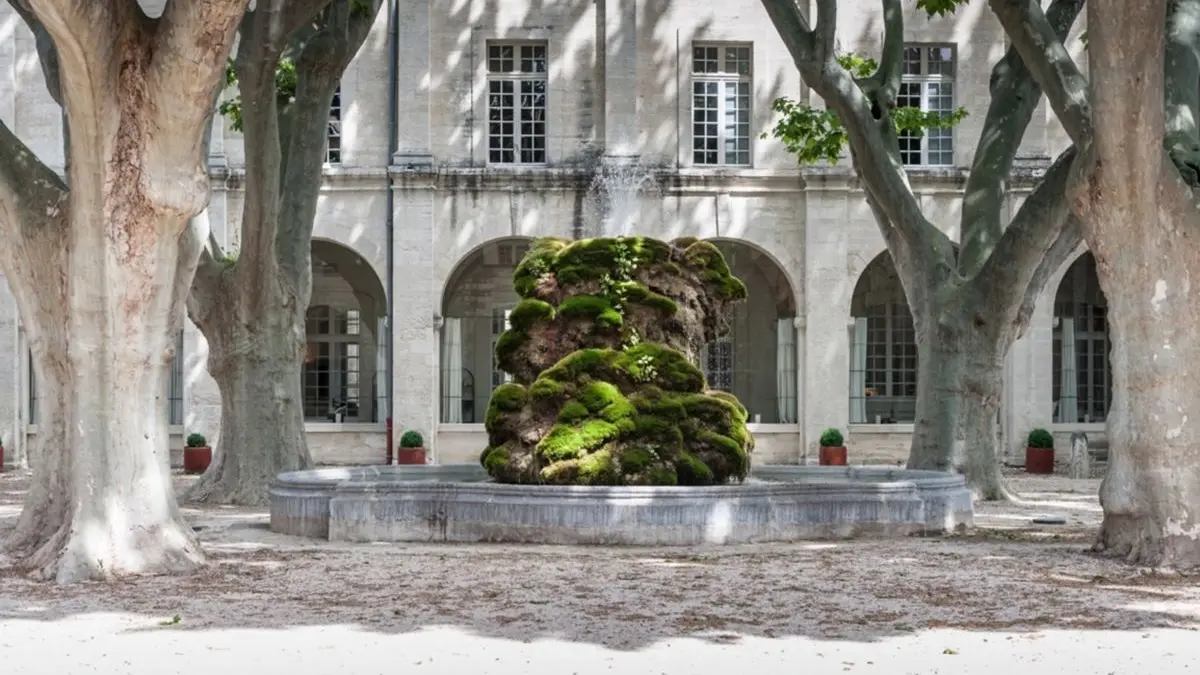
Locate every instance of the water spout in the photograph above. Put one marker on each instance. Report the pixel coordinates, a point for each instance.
(615, 195)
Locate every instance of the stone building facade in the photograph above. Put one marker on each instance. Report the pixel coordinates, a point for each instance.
(516, 119)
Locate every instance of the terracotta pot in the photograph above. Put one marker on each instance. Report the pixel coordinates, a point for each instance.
(1039, 460)
(196, 460)
(833, 456)
(410, 455)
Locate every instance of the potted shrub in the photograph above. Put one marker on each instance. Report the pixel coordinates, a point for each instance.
(197, 454)
(412, 448)
(833, 448)
(1039, 452)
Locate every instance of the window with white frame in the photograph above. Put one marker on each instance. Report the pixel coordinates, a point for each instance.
(333, 134)
(516, 102)
(928, 84)
(332, 372)
(721, 83)
(174, 388)
(1081, 379)
(883, 365)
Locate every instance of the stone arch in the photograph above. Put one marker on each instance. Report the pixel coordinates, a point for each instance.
(761, 346)
(883, 348)
(1081, 375)
(474, 305)
(346, 349)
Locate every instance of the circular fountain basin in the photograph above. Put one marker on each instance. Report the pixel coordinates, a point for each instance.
(460, 503)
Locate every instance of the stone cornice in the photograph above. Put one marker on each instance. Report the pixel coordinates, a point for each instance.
(1025, 175)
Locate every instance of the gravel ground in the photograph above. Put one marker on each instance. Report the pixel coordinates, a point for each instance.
(1011, 594)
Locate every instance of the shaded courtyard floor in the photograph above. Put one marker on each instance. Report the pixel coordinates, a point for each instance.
(1009, 594)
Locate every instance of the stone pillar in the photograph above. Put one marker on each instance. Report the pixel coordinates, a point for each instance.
(802, 451)
(414, 340)
(413, 77)
(622, 104)
(11, 356)
(1079, 462)
(827, 320)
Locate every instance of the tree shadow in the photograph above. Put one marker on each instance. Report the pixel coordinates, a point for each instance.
(622, 599)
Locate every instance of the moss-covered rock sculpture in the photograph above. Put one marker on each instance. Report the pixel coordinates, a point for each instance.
(602, 350)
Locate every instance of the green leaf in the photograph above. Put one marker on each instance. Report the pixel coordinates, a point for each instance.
(285, 91)
(940, 7)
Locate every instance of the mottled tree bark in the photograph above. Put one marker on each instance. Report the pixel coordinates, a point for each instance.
(1134, 194)
(103, 285)
(252, 310)
(969, 304)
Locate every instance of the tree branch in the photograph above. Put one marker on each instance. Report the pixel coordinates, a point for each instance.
(1032, 232)
(886, 80)
(344, 26)
(1014, 98)
(868, 123)
(193, 42)
(1052, 67)
(1069, 238)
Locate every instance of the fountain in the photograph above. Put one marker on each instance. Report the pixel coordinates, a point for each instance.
(615, 196)
(608, 433)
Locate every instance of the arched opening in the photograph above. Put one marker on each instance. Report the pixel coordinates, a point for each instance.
(346, 351)
(760, 348)
(475, 305)
(1082, 374)
(883, 348)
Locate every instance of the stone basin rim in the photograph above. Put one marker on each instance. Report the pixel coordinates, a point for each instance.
(782, 478)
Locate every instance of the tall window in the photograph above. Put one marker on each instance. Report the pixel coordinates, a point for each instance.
(333, 135)
(332, 364)
(174, 388)
(1082, 377)
(516, 102)
(721, 84)
(928, 84)
(718, 363)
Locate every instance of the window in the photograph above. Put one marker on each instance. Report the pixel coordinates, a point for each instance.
(174, 388)
(333, 135)
(721, 82)
(883, 366)
(928, 84)
(718, 363)
(332, 372)
(1081, 377)
(516, 102)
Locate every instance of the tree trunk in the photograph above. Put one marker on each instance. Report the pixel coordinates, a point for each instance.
(257, 367)
(960, 380)
(982, 385)
(1140, 222)
(136, 96)
(940, 362)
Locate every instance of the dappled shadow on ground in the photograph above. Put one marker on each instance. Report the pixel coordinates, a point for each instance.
(628, 598)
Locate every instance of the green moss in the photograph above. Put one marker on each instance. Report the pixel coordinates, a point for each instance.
(545, 388)
(691, 471)
(508, 343)
(496, 459)
(706, 258)
(530, 312)
(575, 364)
(566, 441)
(657, 432)
(684, 242)
(651, 363)
(637, 293)
(662, 475)
(635, 459)
(538, 262)
(572, 412)
(599, 468)
(509, 397)
(591, 307)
